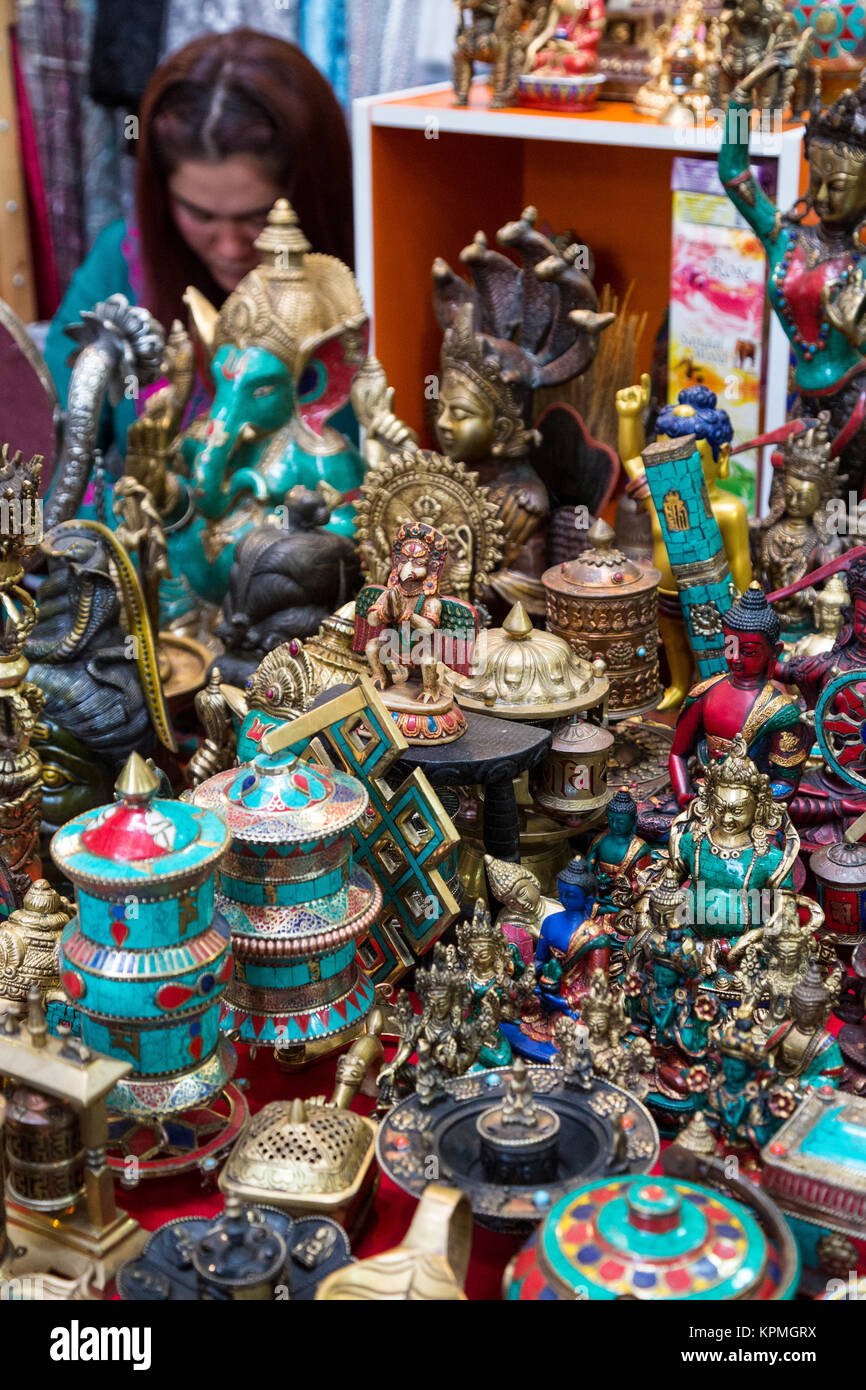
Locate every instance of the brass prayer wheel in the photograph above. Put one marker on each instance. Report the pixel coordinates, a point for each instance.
(606, 605)
(573, 778)
(43, 1149)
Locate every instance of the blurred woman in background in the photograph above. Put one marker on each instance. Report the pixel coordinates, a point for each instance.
(228, 124)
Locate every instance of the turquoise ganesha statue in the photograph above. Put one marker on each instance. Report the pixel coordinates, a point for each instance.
(281, 356)
(284, 351)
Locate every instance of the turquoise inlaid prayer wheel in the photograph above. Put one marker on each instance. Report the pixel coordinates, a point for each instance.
(295, 903)
(147, 957)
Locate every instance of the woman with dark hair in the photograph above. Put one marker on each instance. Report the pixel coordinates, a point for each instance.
(228, 124)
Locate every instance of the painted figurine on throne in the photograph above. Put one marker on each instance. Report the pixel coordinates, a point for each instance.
(816, 279)
(697, 413)
(512, 330)
(411, 634)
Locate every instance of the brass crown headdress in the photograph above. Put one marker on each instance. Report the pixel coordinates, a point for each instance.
(598, 1001)
(808, 456)
(842, 123)
(481, 927)
(294, 300)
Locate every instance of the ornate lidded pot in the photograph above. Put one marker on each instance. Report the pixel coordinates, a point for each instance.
(294, 902)
(146, 959)
(605, 605)
(648, 1238)
(532, 675)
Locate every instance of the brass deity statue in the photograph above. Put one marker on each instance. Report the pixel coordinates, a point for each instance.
(626, 1061)
(21, 702)
(495, 32)
(828, 606)
(29, 949)
(681, 52)
(775, 957)
(796, 538)
(449, 1037)
(803, 1048)
(514, 329)
(735, 846)
(748, 30)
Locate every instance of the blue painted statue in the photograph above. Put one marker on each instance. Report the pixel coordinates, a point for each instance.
(572, 945)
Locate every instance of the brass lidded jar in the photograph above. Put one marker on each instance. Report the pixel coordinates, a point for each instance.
(606, 606)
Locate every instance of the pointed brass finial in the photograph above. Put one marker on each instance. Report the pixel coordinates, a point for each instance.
(697, 1136)
(282, 234)
(600, 534)
(518, 624)
(137, 782)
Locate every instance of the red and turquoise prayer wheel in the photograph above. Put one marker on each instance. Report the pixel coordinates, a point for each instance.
(147, 957)
(295, 904)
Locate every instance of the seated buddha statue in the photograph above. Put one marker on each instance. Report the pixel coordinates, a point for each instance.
(695, 413)
(803, 1048)
(795, 537)
(524, 906)
(823, 800)
(733, 847)
(743, 701)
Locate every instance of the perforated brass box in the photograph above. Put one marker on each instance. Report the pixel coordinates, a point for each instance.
(306, 1156)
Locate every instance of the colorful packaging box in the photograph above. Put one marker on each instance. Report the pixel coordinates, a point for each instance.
(717, 318)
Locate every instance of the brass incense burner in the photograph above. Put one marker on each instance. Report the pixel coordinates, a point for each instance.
(312, 1156)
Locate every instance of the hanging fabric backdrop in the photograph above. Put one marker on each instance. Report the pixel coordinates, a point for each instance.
(68, 49)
